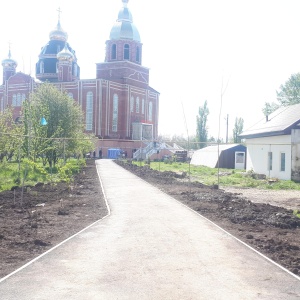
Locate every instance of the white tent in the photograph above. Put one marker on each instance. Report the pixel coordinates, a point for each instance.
(225, 154)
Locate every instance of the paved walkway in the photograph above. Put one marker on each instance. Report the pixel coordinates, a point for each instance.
(149, 247)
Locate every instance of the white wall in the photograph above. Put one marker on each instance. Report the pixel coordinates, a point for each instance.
(257, 156)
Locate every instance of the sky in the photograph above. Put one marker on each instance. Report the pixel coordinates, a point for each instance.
(234, 54)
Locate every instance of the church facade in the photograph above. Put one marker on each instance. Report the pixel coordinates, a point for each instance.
(119, 106)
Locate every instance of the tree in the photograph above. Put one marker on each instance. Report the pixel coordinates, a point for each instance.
(10, 135)
(288, 94)
(269, 108)
(238, 129)
(64, 133)
(202, 131)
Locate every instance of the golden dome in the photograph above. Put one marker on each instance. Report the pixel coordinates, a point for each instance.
(58, 33)
(65, 54)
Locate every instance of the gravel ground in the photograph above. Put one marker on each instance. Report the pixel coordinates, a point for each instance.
(282, 198)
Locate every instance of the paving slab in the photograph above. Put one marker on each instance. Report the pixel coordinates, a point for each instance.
(152, 247)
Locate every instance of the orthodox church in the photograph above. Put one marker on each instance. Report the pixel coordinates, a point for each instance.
(119, 106)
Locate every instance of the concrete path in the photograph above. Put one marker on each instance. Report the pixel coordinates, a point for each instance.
(149, 247)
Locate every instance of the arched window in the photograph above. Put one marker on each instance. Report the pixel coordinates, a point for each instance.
(150, 111)
(19, 99)
(41, 67)
(126, 51)
(115, 113)
(14, 100)
(137, 105)
(75, 71)
(114, 51)
(137, 57)
(23, 98)
(131, 104)
(143, 106)
(89, 111)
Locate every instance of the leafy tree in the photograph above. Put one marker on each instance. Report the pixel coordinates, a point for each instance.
(290, 91)
(10, 135)
(202, 131)
(64, 133)
(269, 108)
(238, 129)
(288, 94)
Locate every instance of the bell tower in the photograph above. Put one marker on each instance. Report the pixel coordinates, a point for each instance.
(9, 67)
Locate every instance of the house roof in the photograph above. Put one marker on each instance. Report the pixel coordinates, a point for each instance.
(280, 122)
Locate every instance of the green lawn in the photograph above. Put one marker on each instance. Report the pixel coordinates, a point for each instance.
(227, 177)
(29, 173)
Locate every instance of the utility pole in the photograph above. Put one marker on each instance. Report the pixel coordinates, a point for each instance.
(227, 129)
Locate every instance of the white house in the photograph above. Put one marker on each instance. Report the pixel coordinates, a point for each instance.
(273, 144)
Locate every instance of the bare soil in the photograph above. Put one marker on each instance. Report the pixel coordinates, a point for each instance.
(51, 214)
(263, 219)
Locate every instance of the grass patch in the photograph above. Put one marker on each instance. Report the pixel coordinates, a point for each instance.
(12, 173)
(227, 177)
(296, 212)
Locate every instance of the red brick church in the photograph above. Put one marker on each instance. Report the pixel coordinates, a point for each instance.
(119, 106)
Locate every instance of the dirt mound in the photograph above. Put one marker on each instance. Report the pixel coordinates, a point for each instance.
(48, 215)
(272, 230)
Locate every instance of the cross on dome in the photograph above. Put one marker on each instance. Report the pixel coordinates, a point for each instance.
(59, 12)
(125, 2)
(9, 52)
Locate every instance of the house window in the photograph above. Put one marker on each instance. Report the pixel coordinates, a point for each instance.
(126, 51)
(89, 111)
(143, 106)
(282, 161)
(71, 95)
(270, 158)
(137, 105)
(131, 104)
(114, 51)
(137, 58)
(115, 113)
(150, 111)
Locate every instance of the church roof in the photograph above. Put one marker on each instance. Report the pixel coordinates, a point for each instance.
(280, 122)
(124, 29)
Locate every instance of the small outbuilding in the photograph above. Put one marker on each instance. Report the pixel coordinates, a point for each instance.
(229, 156)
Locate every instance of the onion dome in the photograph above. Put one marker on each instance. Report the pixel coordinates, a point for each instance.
(58, 33)
(124, 29)
(56, 50)
(9, 62)
(65, 54)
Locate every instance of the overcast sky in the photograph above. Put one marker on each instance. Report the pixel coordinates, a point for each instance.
(190, 46)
